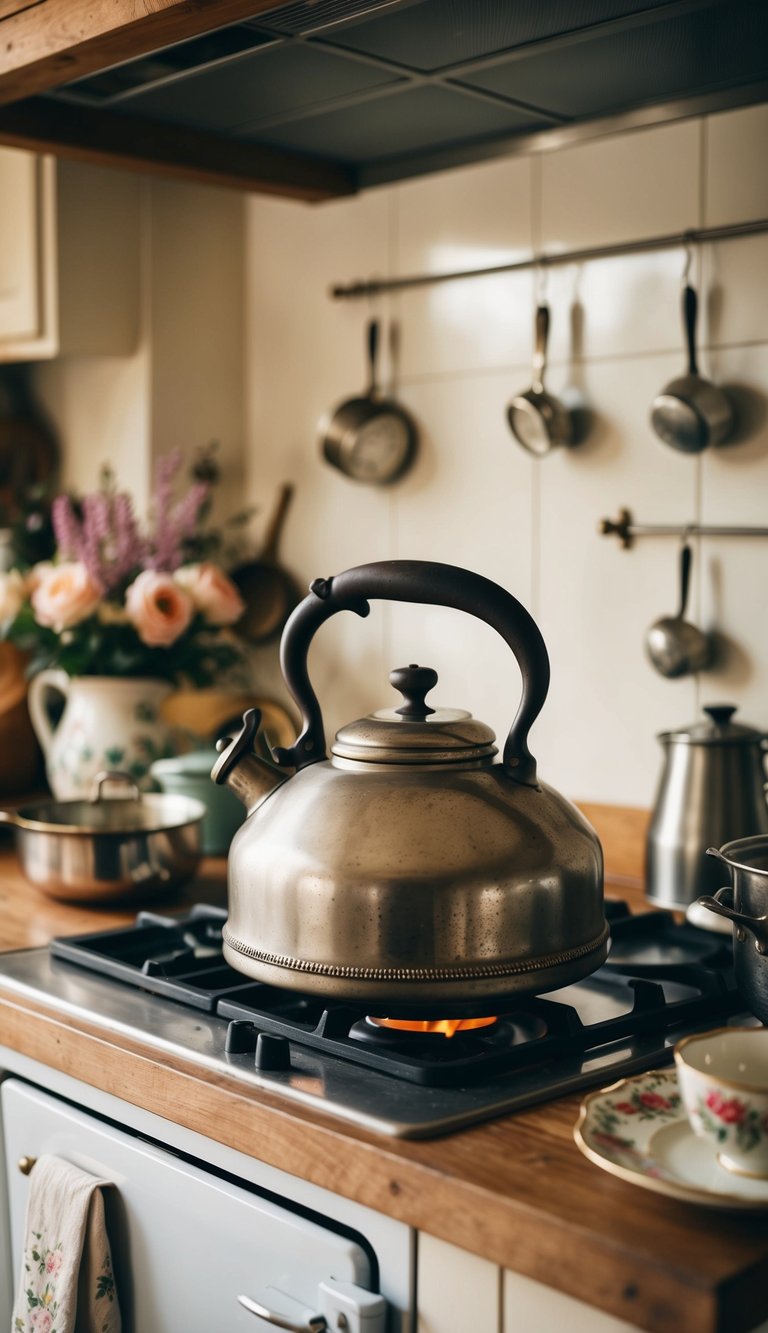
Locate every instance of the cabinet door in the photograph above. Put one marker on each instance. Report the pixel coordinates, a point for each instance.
(20, 276)
(457, 1292)
(185, 1243)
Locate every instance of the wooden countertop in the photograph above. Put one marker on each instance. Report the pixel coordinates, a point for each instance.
(515, 1190)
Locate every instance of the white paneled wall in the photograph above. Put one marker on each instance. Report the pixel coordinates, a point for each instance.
(474, 497)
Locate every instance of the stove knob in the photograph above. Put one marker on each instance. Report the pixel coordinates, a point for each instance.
(241, 1037)
(273, 1053)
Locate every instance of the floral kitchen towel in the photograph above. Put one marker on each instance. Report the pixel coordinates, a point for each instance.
(66, 1283)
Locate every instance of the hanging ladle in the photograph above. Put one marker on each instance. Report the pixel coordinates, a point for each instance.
(674, 646)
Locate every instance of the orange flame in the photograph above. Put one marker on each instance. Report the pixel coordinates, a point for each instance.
(448, 1026)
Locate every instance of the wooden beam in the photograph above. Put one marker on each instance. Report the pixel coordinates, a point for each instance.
(52, 42)
(108, 138)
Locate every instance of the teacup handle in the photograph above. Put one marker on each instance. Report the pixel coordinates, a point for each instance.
(52, 680)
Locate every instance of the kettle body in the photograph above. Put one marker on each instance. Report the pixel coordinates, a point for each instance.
(412, 870)
(711, 791)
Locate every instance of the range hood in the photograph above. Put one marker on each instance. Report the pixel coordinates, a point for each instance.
(317, 98)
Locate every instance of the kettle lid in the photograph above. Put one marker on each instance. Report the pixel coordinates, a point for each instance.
(718, 729)
(415, 733)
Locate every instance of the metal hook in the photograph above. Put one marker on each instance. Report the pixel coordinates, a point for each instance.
(688, 258)
(541, 282)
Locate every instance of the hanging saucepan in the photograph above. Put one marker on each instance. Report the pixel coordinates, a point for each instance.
(538, 420)
(745, 903)
(369, 438)
(691, 413)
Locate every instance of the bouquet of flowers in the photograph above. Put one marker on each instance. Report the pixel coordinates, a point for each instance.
(119, 600)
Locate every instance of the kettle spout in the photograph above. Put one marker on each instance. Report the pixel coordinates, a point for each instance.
(249, 777)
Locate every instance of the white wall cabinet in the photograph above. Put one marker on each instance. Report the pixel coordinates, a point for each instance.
(70, 242)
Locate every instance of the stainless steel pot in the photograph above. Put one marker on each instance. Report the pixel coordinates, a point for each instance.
(409, 869)
(712, 789)
(745, 903)
(103, 850)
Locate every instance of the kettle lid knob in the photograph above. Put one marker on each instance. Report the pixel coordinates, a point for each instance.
(720, 714)
(414, 682)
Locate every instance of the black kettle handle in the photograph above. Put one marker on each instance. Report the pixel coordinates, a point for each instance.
(433, 584)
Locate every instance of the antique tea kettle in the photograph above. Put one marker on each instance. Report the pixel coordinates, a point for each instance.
(409, 871)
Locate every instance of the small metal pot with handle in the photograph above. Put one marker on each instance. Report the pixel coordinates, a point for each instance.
(745, 903)
(103, 849)
(369, 438)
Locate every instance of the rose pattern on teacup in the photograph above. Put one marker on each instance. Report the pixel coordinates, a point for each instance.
(723, 1077)
(732, 1121)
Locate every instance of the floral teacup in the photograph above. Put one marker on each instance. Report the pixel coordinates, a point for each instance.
(723, 1080)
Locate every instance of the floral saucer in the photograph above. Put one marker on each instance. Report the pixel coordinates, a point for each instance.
(637, 1129)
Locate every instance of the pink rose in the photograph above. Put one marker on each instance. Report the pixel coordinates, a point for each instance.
(41, 1320)
(65, 595)
(53, 1262)
(730, 1110)
(214, 595)
(159, 608)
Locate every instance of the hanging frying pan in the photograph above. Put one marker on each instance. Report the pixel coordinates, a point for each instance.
(369, 438)
(268, 590)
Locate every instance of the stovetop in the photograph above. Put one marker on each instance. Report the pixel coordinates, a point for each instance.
(164, 980)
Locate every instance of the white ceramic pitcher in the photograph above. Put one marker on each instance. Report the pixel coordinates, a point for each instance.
(107, 723)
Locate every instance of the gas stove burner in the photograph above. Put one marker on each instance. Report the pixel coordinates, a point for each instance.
(647, 945)
(431, 1027)
(452, 1039)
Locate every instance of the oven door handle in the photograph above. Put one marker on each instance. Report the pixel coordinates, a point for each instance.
(315, 1324)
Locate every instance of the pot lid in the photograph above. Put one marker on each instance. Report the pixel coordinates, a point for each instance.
(415, 733)
(718, 729)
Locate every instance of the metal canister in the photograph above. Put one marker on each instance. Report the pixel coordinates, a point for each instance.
(711, 791)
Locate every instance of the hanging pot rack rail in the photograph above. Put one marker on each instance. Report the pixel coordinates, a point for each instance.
(696, 236)
(626, 530)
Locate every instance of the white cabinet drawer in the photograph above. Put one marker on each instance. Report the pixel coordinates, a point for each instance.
(185, 1243)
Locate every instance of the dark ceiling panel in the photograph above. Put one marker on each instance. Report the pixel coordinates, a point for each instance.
(309, 15)
(404, 122)
(271, 82)
(673, 57)
(432, 34)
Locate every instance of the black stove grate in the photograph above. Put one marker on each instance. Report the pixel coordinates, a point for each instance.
(661, 976)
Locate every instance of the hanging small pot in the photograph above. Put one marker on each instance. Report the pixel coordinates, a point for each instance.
(369, 438)
(691, 413)
(539, 421)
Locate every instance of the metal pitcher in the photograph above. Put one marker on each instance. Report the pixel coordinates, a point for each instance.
(712, 790)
